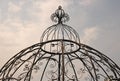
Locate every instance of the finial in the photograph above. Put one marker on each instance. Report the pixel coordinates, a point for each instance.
(60, 7)
(59, 16)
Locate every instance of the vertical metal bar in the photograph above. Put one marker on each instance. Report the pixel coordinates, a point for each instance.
(59, 67)
(63, 68)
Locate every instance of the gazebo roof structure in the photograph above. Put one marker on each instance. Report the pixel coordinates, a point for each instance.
(60, 56)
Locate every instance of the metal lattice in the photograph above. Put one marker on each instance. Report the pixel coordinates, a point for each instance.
(60, 56)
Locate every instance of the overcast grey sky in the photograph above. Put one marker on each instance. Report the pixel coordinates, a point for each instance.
(23, 21)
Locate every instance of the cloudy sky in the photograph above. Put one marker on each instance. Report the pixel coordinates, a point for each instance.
(23, 21)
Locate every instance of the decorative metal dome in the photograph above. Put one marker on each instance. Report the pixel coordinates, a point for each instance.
(60, 57)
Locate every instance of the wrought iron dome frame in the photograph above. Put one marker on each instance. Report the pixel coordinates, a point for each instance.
(60, 56)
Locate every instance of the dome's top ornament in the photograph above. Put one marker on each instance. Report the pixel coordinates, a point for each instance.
(60, 16)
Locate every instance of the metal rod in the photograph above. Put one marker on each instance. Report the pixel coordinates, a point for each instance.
(59, 67)
(63, 67)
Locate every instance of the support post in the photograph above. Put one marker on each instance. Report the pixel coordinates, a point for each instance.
(63, 67)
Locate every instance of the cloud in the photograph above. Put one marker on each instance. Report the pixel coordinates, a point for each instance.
(0, 14)
(16, 33)
(86, 2)
(13, 8)
(90, 34)
(9, 31)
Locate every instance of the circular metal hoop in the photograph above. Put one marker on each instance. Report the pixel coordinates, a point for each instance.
(54, 46)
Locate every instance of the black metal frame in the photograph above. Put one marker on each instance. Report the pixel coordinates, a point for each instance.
(60, 58)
